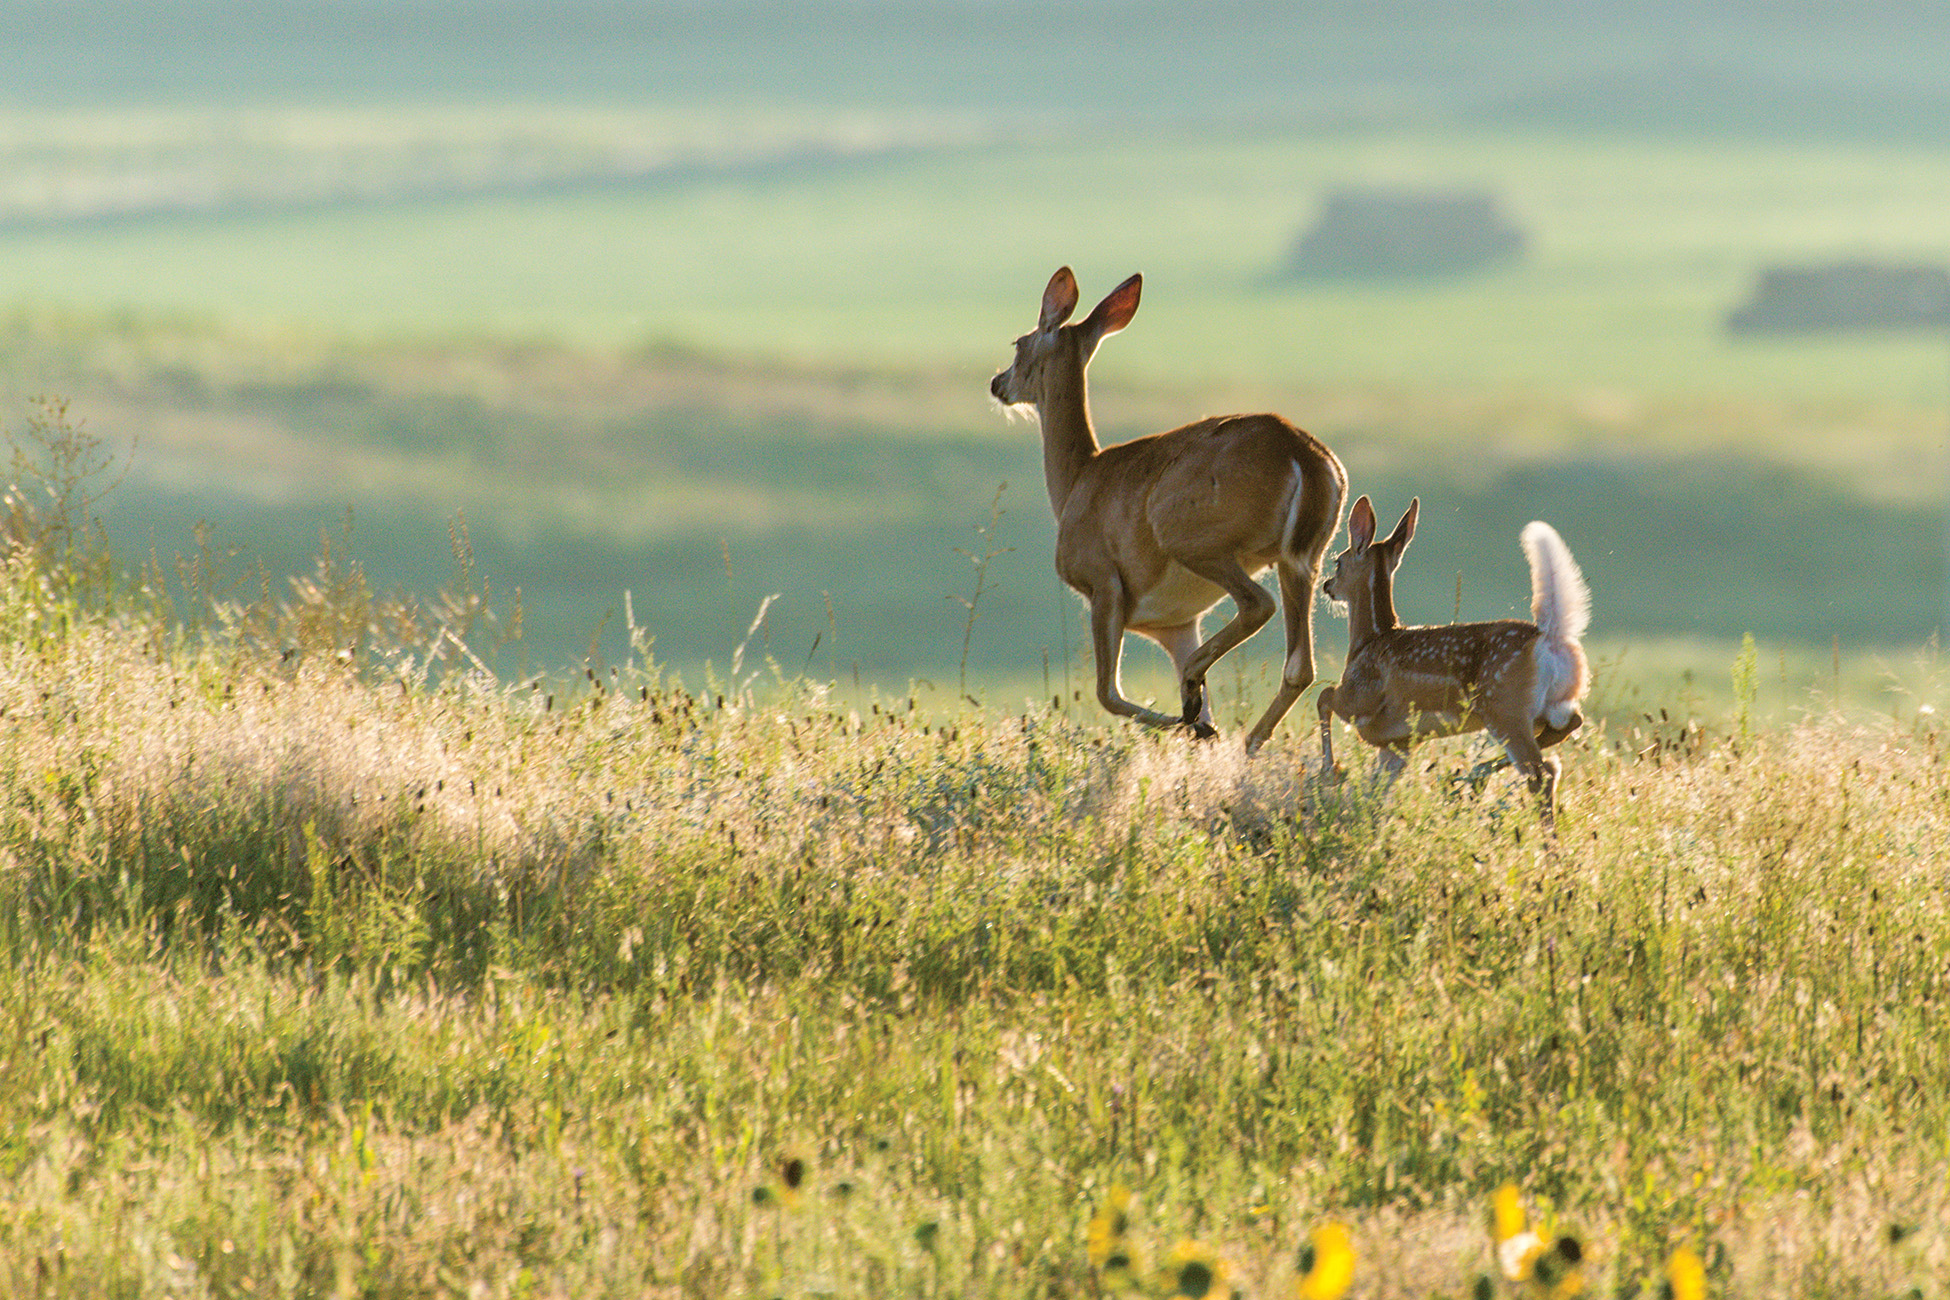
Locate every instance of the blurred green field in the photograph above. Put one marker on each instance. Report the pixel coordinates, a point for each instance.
(936, 256)
(763, 372)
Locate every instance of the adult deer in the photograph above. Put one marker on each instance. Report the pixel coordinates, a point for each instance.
(1156, 531)
(1519, 681)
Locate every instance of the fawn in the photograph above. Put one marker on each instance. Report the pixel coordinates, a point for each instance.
(1519, 681)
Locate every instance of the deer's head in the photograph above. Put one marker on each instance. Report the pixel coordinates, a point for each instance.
(1368, 566)
(1055, 353)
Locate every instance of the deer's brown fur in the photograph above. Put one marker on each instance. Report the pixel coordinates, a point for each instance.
(1156, 531)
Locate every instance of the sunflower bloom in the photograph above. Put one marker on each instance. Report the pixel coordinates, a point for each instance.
(1509, 1218)
(1534, 1265)
(1326, 1275)
(1555, 1273)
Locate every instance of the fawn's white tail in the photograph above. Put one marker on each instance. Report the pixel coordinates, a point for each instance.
(1560, 603)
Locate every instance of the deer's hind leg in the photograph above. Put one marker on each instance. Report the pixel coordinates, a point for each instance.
(1527, 756)
(1297, 670)
(1253, 607)
(1181, 643)
(1548, 735)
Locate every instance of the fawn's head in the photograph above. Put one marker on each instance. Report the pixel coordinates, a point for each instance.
(1056, 353)
(1368, 566)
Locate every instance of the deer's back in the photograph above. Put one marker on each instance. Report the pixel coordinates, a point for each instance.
(1233, 442)
(1466, 655)
(1224, 482)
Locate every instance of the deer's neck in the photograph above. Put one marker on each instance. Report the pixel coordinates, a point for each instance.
(1371, 608)
(1069, 439)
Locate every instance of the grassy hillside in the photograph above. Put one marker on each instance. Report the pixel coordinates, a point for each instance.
(326, 976)
(719, 945)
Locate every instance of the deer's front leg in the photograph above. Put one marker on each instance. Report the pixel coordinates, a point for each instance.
(1107, 614)
(1325, 706)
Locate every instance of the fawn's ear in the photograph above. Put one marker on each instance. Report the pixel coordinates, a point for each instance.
(1405, 530)
(1116, 310)
(1059, 299)
(1360, 524)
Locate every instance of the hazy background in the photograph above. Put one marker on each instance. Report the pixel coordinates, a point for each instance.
(699, 301)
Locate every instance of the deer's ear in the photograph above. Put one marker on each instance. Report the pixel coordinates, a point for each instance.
(1117, 308)
(1360, 523)
(1059, 299)
(1405, 530)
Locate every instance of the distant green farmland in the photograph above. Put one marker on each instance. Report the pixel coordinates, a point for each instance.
(934, 256)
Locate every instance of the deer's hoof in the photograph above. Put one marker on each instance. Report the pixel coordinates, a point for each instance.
(1194, 708)
(1201, 730)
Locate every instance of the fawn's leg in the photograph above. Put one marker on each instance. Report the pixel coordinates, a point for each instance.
(1325, 707)
(1541, 772)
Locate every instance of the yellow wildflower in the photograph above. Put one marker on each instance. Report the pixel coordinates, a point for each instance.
(1517, 1247)
(1540, 1267)
(1685, 1276)
(1104, 1240)
(1507, 1208)
(1327, 1265)
(1555, 1270)
(1193, 1271)
(1108, 1225)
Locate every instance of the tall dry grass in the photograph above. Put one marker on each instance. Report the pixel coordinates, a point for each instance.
(339, 968)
